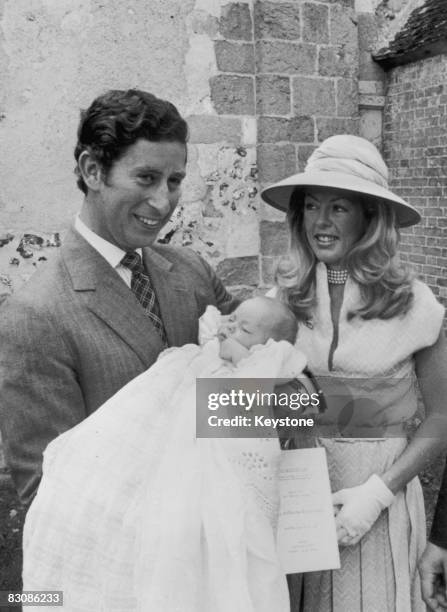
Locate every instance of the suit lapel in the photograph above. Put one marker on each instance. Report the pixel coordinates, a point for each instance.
(177, 301)
(109, 298)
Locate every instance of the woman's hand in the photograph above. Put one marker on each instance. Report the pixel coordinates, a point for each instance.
(357, 509)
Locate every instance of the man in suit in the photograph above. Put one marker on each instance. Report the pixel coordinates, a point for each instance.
(100, 313)
(433, 564)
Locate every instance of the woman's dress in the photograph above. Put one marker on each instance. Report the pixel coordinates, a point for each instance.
(373, 393)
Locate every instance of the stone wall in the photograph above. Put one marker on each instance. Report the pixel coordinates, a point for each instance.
(55, 57)
(294, 66)
(261, 83)
(415, 148)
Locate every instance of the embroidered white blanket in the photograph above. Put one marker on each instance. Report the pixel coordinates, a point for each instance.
(135, 514)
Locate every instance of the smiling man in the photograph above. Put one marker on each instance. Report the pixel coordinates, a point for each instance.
(100, 313)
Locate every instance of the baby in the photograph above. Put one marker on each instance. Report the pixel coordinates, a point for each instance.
(254, 322)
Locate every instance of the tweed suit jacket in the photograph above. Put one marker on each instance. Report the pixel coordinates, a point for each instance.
(75, 334)
(438, 533)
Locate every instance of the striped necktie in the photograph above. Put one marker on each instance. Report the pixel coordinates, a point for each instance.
(144, 292)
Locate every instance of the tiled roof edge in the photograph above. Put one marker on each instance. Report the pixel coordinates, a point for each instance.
(424, 35)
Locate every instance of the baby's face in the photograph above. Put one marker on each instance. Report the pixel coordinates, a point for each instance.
(249, 324)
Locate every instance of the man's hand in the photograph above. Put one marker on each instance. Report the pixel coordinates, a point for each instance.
(433, 571)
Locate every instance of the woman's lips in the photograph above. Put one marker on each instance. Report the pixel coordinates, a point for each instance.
(325, 239)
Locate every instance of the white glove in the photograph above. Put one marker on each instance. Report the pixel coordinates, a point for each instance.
(360, 508)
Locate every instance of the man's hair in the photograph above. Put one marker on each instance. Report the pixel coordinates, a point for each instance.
(118, 118)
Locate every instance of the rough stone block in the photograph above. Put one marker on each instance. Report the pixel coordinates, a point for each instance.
(367, 31)
(232, 95)
(2, 458)
(296, 129)
(273, 95)
(304, 152)
(369, 69)
(338, 61)
(275, 162)
(249, 131)
(329, 126)
(315, 23)
(274, 238)
(313, 96)
(366, 101)
(370, 125)
(347, 98)
(372, 88)
(235, 21)
(302, 129)
(239, 270)
(202, 22)
(291, 58)
(343, 26)
(21, 254)
(207, 129)
(347, 3)
(268, 269)
(277, 20)
(234, 57)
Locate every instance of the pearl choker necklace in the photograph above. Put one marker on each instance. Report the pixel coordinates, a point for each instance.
(336, 277)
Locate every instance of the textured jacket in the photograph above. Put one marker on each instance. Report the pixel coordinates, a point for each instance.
(75, 334)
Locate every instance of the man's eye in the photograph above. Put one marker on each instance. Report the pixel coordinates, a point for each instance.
(174, 183)
(145, 178)
(339, 208)
(247, 331)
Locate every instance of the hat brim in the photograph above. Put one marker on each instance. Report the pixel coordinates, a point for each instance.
(279, 194)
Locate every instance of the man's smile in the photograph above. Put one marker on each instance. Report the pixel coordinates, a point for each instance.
(149, 222)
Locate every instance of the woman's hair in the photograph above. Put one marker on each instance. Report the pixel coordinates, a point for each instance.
(385, 286)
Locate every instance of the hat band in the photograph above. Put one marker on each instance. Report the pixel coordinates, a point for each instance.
(350, 167)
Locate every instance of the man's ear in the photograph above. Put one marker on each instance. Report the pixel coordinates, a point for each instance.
(90, 170)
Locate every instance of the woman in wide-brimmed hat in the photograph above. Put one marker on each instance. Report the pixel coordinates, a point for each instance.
(368, 326)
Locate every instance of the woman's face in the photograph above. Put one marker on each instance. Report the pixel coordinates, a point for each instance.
(333, 223)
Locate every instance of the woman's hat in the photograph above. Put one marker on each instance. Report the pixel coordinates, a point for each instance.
(344, 162)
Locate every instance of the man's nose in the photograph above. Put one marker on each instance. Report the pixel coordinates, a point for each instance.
(160, 199)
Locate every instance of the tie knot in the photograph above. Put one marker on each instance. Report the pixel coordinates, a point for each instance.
(132, 261)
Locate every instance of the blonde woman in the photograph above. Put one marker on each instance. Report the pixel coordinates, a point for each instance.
(370, 326)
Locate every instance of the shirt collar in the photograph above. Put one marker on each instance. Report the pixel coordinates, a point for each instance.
(111, 253)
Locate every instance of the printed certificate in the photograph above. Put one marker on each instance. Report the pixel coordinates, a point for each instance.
(307, 539)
